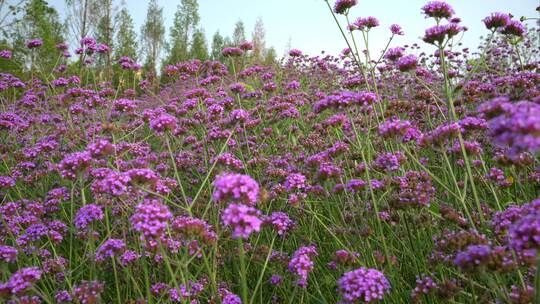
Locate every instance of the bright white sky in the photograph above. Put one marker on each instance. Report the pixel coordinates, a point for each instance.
(311, 28)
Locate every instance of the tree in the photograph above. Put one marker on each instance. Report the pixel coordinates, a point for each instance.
(38, 20)
(10, 13)
(186, 20)
(81, 19)
(152, 36)
(217, 46)
(199, 48)
(105, 33)
(125, 37)
(239, 33)
(270, 56)
(258, 40)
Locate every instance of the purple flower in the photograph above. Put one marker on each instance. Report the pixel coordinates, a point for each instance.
(518, 127)
(525, 233)
(424, 285)
(295, 52)
(74, 164)
(151, 219)
(229, 160)
(301, 263)
(474, 256)
(61, 46)
(88, 291)
(355, 185)
(366, 23)
(496, 21)
(514, 28)
(439, 33)
(8, 254)
(238, 188)
(109, 249)
(295, 181)
(407, 63)
(23, 280)
(396, 29)
(6, 54)
(276, 279)
(86, 215)
(243, 219)
(389, 162)
(231, 298)
(394, 54)
(142, 176)
(100, 148)
(343, 6)
(189, 227)
(402, 130)
(438, 9)
(34, 43)
(363, 284)
(238, 115)
(63, 296)
(164, 122)
(415, 190)
(128, 257)
(7, 182)
(246, 45)
(280, 221)
(232, 52)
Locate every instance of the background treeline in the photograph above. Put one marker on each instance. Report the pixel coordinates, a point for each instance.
(110, 23)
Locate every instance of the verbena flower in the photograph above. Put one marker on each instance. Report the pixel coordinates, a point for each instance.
(87, 215)
(151, 219)
(22, 280)
(34, 43)
(438, 9)
(496, 21)
(238, 188)
(243, 219)
(343, 6)
(301, 263)
(363, 284)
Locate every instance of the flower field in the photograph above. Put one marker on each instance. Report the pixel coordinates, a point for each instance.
(410, 176)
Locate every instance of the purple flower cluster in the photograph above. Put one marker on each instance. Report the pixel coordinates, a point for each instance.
(232, 52)
(295, 182)
(237, 188)
(525, 233)
(243, 219)
(34, 43)
(438, 34)
(345, 99)
(496, 21)
(517, 128)
(407, 63)
(402, 130)
(301, 263)
(473, 256)
(74, 164)
(151, 218)
(438, 9)
(22, 280)
(163, 123)
(363, 284)
(87, 215)
(109, 249)
(8, 254)
(280, 221)
(343, 6)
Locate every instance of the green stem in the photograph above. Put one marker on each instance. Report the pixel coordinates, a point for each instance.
(243, 280)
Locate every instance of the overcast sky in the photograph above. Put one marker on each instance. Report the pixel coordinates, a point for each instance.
(311, 28)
